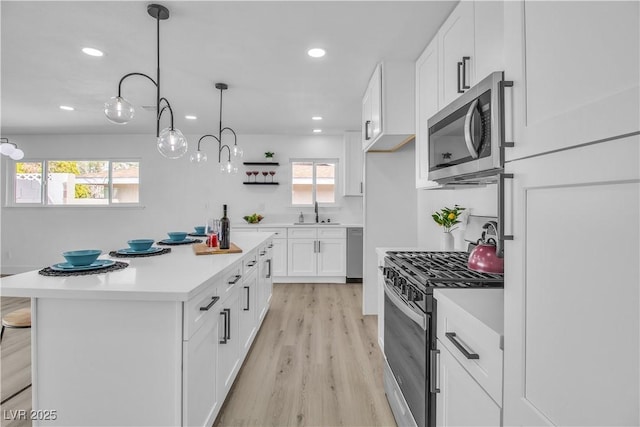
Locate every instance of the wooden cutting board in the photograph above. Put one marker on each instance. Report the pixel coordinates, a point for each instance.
(203, 249)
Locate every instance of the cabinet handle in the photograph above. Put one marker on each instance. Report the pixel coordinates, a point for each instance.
(464, 72)
(501, 214)
(248, 305)
(234, 281)
(271, 245)
(366, 130)
(360, 187)
(225, 314)
(318, 246)
(503, 144)
(459, 72)
(452, 338)
(269, 271)
(435, 371)
(208, 306)
(251, 264)
(228, 324)
(263, 253)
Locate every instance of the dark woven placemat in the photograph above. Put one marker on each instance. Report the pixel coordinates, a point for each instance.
(48, 271)
(115, 254)
(196, 235)
(180, 243)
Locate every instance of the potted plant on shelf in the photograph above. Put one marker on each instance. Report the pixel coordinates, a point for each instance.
(269, 155)
(448, 218)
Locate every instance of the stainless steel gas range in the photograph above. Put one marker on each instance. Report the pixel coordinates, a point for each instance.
(409, 325)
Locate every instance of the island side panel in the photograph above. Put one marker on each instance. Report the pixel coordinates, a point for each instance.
(107, 362)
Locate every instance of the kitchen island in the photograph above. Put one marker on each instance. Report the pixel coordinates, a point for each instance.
(157, 343)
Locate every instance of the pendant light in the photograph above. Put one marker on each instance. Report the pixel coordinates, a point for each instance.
(234, 152)
(10, 149)
(171, 142)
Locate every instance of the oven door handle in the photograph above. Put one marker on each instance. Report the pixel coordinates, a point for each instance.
(468, 129)
(421, 320)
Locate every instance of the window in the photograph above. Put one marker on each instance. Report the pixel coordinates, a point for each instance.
(313, 180)
(76, 183)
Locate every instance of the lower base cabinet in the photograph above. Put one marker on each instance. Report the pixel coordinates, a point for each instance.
(461, 401)
(229, 342)
(248, 299)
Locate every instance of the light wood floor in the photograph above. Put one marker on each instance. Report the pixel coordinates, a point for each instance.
(15, 366)
(315, 362)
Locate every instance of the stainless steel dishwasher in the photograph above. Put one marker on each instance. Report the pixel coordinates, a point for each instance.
(354, 254)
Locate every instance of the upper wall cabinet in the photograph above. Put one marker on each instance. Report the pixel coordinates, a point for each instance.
(388, 107)
(467, 48)
(575, 68)
(470, 47)
(353, 164)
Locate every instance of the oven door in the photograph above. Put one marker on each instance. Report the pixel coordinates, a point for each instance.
(405, 348)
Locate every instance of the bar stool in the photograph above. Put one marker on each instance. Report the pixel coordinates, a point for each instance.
(18, 319)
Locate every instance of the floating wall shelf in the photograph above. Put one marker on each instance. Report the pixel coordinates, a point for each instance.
(261, 164)
(261, 183)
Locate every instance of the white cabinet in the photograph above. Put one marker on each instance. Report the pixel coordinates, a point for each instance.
(265, 281)
(467, 48)
(353, 164)
(279, 258)
(200, 398)
(427, 85)
(317, 251)
(461, 401)
(388, 107)
(469, 358)
(248, 311)
(572, 284)
(570, 86)
(229, 341)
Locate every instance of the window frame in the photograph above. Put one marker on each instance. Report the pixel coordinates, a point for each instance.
(10, 199)
(314, 161)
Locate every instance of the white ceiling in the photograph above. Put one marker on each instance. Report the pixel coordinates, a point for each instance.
(258, 48)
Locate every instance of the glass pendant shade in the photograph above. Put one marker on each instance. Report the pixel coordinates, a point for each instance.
(228, 167)
(236, 151)
(171, 143)
(199, 157)
(7, 149)
(17, 154)
(118, 110)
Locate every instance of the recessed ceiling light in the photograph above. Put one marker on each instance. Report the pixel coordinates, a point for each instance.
(317, 130)
(66, 108)
(316, 118)
(316, 52)
(92, 52)
(190, 117)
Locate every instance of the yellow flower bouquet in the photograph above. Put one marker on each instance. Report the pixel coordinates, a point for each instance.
(448, 217)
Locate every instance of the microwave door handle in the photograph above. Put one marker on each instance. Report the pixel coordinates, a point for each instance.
(468, 126)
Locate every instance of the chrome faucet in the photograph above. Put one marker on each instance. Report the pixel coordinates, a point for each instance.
(316, 211)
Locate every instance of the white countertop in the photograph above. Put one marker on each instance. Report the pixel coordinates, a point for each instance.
(485, 305)
(292, 225)
(175, 276)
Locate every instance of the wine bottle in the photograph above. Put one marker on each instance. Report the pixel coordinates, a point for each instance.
(225, 230)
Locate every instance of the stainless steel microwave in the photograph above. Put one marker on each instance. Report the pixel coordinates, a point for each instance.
(465, 137)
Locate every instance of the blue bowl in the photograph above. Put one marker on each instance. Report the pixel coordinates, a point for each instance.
(199, 229)
(140, 244)
(82, 257)
(177, 236)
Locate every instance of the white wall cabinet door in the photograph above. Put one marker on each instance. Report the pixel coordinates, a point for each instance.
(427, 84)
(488, 38)
(353, 164)
(369, 104)
(572, 287)
(455, 39)
(229, 341)
(302, 257)
(572, 87)
(332, 257)
(248, 310)
(199, 378)
(461, 401)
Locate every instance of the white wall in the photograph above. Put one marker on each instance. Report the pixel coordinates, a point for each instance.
(476, 200)
(390, 212)
(175, 194)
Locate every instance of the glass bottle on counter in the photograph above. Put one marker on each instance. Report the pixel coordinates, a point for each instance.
(225, 229)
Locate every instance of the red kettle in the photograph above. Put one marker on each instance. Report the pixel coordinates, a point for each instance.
(484, 257)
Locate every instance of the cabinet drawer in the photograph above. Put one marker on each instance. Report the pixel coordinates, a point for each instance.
(302, 233)
(250, 262)
(198, 308)
(279, 232)
(462, 332)
(332, 232)
(230, 277)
